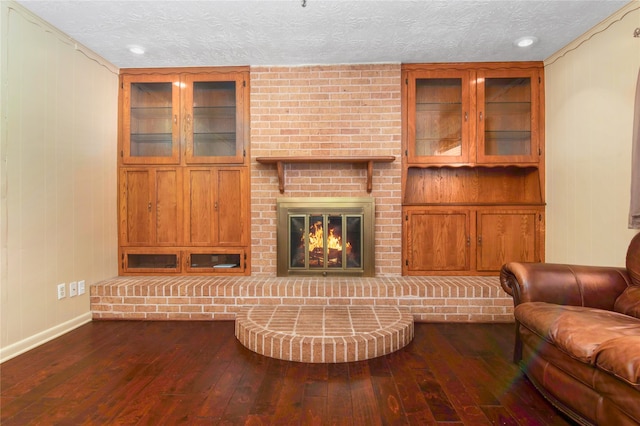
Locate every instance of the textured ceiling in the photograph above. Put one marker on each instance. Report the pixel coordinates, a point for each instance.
(214, 32)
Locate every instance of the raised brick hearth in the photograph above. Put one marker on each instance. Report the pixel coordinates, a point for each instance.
(324, 334)
(451, 299)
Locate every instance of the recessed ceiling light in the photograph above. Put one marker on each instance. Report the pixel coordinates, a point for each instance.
(525, 41)
(138, 50)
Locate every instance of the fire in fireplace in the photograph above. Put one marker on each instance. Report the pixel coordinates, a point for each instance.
(326, 236)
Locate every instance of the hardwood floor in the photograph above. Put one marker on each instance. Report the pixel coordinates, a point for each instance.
(167, 373)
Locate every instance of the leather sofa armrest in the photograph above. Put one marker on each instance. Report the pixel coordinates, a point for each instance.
(578, 285)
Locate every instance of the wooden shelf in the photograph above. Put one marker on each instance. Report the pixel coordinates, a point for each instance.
(369, 161)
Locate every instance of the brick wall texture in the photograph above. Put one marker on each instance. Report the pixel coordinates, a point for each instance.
(434, 299)
(337, 110)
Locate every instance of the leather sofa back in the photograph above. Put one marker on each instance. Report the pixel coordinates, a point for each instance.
(633, 260)
(628, 302)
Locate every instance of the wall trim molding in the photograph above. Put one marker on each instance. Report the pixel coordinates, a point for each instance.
(45, 336)
(597, 29)
(25, 13)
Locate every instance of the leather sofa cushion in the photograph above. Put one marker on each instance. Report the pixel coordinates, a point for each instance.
(539, 317)
(628, 302)
(580, 333)
(621, 357)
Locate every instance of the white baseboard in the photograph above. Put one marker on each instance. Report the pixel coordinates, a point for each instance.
(38, 339)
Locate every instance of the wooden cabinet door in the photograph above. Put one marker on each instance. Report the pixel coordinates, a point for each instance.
(215, 206)
(438, 116)
(149, 119)
(508, 116)
(232, 196)
(214, 117)
(437, 240)
(150, 206)
(507, 236)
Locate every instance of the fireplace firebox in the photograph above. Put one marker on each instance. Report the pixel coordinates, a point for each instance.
(326, 236)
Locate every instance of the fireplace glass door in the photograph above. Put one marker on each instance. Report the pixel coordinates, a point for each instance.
(325, 241)
(319, 236)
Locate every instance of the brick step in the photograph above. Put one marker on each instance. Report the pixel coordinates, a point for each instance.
(324, 334)
(451, 299)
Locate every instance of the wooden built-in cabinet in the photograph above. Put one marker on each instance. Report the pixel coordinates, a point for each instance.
(216, 206)
(459, 240)
(150, 202)
(183, 171)
(473, 167)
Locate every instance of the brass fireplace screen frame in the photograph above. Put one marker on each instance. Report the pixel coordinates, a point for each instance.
(322, 206)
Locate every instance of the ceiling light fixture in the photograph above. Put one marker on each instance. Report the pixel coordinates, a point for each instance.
(525, 41)
(138, 50)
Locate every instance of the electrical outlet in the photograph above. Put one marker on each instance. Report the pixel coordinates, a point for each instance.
(73, 289)
(61, 291)
(81, 287)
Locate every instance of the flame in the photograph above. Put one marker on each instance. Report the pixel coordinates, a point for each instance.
(315, 236)
(316, 240)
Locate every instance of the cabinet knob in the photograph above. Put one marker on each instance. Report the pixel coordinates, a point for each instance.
(149, 206)
(479, 239)
(175, 119)
(466, 116)
(480, 115)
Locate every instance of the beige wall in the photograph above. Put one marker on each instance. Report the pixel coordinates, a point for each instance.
(58, 174)
(590, 88)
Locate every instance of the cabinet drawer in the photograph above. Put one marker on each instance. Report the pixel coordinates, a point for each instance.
(141, 261)
(217, 261)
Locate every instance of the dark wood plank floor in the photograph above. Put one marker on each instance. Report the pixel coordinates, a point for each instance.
(167, 373)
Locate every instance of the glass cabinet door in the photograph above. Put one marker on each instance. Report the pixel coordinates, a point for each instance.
(439, 122)
(150, 120)
(507, 116)
(213, 121)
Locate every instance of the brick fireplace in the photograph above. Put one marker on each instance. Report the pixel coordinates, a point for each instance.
(338, 110)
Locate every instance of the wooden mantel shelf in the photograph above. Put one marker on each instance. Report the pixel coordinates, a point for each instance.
(369, 161)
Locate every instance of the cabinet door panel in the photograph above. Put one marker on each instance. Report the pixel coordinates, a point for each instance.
(150, 132)
(506, 237)
(168, 206)
(437, 241)
(230, 206)
(438, 119)
(135, 205)
(213, 109)
(150, 261)
(215, 206)
(218, 260)
(150, 206)
(508, 116)
(200, 211)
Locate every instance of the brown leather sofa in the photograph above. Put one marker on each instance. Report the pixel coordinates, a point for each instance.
(578, 335)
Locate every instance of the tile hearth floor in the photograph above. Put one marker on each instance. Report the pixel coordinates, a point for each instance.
(324, 334)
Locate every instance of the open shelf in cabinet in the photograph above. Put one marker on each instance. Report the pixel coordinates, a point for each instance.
(508, 185)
